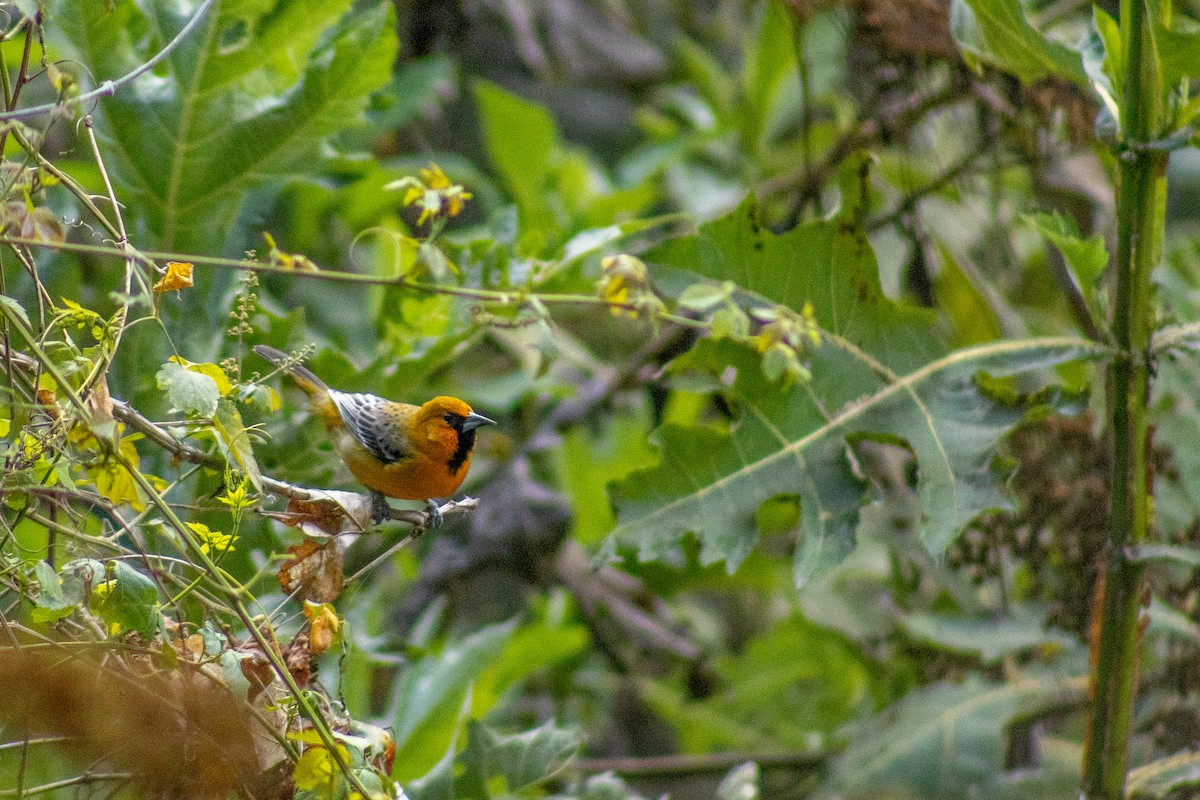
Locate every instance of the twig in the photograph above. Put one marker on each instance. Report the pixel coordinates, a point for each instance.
(109, 88)
(22, 76)
(505, 297)
(76, 780)
(450, 508)
(808, 180)
(705, 764)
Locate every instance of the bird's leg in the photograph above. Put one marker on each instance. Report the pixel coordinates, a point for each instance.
(435, 513)
(380, 510)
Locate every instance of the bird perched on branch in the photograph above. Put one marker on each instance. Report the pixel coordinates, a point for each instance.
(394, 449)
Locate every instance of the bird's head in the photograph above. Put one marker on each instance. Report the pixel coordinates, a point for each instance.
(450, 423)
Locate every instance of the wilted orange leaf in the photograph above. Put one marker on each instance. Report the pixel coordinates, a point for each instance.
(179, 276)
(324, 626)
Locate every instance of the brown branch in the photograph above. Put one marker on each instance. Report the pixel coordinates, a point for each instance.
(807, 181)
(152, 431)
(684, 765)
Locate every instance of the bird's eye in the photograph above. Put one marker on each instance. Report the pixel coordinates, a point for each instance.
(449, 417)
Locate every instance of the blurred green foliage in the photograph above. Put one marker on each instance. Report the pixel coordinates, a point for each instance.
(758, 292)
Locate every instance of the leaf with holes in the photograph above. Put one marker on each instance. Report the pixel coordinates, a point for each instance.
(794, 440)
(879, 373)
(943, 740)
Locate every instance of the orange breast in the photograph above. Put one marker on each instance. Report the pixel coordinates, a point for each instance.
(418, 477)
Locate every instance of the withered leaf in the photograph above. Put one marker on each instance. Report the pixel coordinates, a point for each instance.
(314, 572)
(179, 276)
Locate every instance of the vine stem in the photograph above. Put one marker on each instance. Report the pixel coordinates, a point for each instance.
(109, 88)
(221, 580)
(507, 297)
(1141, 214)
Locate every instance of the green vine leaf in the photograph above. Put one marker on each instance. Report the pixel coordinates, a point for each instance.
(497, 766)
(190, 392)
(880, 372)
(1165, 777)
(945, 740)
(253, 94)
(828, 264)
(235, 440)
(793, 441)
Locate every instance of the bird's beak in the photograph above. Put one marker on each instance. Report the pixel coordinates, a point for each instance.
(474, 421)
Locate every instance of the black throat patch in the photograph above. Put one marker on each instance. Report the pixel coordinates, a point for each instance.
(466, 441)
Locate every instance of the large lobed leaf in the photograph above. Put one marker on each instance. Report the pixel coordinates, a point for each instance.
(251, 95)
(875, 376)
(945, 740)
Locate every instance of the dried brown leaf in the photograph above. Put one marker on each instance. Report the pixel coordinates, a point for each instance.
(315, 572)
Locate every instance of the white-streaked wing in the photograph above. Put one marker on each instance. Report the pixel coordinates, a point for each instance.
(378, 432)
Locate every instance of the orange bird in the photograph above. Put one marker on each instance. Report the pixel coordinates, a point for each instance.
(394, 449)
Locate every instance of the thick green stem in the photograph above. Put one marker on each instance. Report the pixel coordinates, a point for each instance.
(1141, 213)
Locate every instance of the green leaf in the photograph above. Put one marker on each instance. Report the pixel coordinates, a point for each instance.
(494, 765)
(703, 296)
(525, 759)
(1164, 778)
(51, 596)
(942, 740)
(530, 649)
(1087, 258)
(704, 71)
(1166, 619)
(989, 639)
(11, 308)
(235, 440)
(1171, 553)
(190, 392)
(132, 601)
(875, 373)
(974, 319)
(768, 70)
(791, 685)
(998, 33)
(828, 263)
(253, 94)
(794, 439)
(1178, 52)
(431, 690)
(1104, 58)
(523, 161)
(592, 456)
(413, 90)
(51, 603)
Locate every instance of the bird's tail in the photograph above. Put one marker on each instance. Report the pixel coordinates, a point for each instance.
(303, 376)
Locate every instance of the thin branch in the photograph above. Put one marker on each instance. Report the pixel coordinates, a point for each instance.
(76, 780)
(807, 181)
(505, 297)
(676, 766)
(109, 88)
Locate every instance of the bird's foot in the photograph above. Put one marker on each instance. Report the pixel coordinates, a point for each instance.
(380, 510)
(435, 513)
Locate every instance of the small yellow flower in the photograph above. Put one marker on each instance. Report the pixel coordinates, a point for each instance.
(292, 261)
(625, 281)
(433, 193)
(434, 178)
